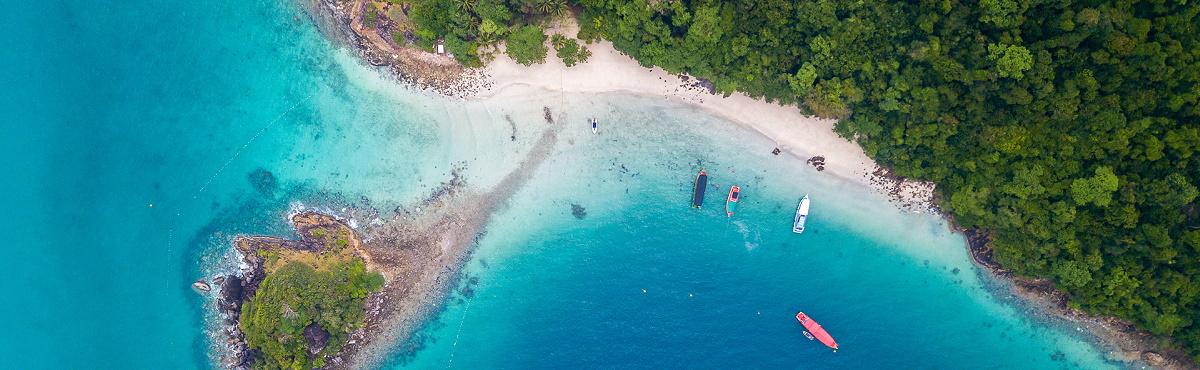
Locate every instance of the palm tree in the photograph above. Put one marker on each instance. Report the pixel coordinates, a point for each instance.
(560, 8)
(552, 7)
(466, 5)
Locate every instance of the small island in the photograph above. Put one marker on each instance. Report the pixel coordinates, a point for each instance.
(298, 301)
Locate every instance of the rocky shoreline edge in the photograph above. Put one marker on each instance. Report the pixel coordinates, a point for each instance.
(341, 21)
(1126, 343)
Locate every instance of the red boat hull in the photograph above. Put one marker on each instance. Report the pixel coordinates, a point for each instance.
(816, 330)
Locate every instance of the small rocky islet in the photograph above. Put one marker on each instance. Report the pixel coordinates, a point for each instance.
(295, 297)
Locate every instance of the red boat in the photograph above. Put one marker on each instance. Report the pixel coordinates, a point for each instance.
(816, 330)
(732, 201)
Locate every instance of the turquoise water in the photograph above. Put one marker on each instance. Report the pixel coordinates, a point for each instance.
(644, 281)
(131, 130)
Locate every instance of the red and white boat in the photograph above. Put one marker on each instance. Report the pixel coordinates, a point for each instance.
(817, 331)
(731, 202)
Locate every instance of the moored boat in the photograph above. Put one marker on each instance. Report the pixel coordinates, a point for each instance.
(801, 216)
(698, 189)
(731, 202)
(816, 330)
(595, 126)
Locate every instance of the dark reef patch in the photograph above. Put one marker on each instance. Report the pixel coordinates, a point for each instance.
(263, 181)
(467, 290)
(578, 211)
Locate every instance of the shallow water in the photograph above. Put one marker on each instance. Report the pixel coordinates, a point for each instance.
(133, 131)
(644, 281)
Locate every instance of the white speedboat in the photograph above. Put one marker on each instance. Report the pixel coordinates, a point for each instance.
(595, 126)
(801, 216)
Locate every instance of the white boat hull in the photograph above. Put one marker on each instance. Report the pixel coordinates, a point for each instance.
(801, 216)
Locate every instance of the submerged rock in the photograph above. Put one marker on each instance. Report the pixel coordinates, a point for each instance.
(578, 211)
(263, 181)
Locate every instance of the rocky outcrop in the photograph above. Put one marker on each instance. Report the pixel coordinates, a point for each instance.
(1153, 358)
(231, 294)
(376, 43)
(316, 337)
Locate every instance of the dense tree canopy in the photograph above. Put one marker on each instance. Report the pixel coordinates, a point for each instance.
(470, 26)
(527, 45)
(1069, 129)
(569, 50)
(298, 297)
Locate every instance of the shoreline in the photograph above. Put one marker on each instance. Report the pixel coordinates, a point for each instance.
(1124, 342)
(804, 137)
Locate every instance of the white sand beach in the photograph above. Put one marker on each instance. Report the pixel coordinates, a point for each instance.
(610, 71)
(802, 136)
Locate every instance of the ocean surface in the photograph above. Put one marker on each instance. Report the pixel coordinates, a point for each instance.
(138, 136)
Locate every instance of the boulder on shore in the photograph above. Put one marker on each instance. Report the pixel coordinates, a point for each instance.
(1153, 358)
(231, 294)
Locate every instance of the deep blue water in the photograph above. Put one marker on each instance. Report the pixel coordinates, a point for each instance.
(129, 131)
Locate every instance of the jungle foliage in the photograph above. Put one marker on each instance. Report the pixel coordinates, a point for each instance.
(469, 27)
(298, 295)
(527, 45)
(1068, 129)
(569, 50)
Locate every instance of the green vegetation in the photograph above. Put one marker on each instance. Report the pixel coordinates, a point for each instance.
(296, 296)
(472, 28)
(307, 296)
(569, 50)
(1069, 129)
(527, 45)
(465, 25)
(370, 16)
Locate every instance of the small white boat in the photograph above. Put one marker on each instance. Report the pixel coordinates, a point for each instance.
(201, 286)
(801, 216)
(595, 126)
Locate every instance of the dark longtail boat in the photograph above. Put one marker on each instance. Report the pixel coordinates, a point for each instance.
(698, 189)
